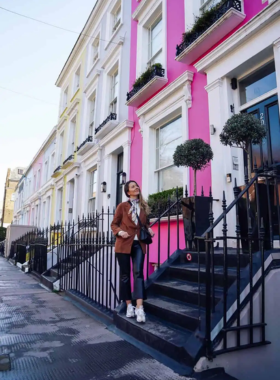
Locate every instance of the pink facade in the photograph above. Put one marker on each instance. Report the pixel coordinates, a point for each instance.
(198, 113)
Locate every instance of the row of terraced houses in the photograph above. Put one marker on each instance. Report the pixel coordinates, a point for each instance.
(113, 127)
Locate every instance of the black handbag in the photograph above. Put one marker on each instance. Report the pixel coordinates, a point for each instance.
(145, 236)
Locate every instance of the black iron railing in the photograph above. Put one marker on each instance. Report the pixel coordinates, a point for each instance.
(156, 72)
(88, 139)
(57, 169)
(191, 37)
(243, 254)
(112, 116)
(71, 157)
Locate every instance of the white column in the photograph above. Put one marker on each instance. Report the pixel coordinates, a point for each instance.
(99, 179)
(186, 105)
(276, 49)
(126, 158)
(75, 200)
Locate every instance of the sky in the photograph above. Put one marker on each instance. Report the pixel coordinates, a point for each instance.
(31, 57)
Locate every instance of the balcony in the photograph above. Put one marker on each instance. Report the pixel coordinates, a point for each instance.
(219, 23)
(68, 162)
(57, 172)
(85, 146)
(107, 126)
(147, 88)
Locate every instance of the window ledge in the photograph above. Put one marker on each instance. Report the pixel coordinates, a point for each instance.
(113, 35)
(73, 97)
(147, 91)
(92, 67)
(63, 112)
(57, 172)
(211, 36)
(104, 129)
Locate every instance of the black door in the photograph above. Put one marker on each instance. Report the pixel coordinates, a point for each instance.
(119, 179)
(269, 151)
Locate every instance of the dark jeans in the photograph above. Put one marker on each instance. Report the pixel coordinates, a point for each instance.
(137, 257)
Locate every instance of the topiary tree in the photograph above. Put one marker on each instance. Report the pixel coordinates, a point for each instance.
(195, 154)
(243, 130)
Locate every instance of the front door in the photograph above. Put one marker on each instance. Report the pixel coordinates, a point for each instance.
(267, 152)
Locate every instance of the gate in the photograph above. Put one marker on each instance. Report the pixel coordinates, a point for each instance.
(38, 256)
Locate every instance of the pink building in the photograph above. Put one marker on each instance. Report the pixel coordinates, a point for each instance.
(227, 68)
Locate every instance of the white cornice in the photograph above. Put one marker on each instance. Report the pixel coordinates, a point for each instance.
(76, 101)
(217, 83)
(252, 27)
(186, 77)
(140, 9)
(116, 131)
(277, 43)
(61, 122)
(112, 52)
(96, 75)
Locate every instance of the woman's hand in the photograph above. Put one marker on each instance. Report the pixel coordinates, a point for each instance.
(123, 234)
(151, 232)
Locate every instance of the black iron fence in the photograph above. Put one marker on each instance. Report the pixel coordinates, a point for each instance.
(234, 266)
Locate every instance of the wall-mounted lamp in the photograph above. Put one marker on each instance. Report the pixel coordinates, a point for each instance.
(212, 129)
(103, 187)
(123, 178)
(232, 108)
(228, 177)
(108, 196)
(234, 83)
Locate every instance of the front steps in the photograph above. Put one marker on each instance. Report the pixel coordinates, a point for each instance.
(174, 309)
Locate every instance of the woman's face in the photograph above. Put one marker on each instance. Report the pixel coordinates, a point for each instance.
(133, 189)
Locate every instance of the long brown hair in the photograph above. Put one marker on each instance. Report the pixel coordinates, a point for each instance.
(143, 204)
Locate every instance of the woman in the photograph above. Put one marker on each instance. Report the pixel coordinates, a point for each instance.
(126, 228)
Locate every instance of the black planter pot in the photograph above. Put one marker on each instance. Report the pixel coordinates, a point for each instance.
(196, 220)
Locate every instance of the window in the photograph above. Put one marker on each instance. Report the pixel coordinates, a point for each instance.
(46, 171)
(53, 162)
(155, 42)
(38, 179)
(114, 92)
(34, 182)
(116, 18)
(59, 205)
(91, 116)
(64, 99)
(20, 171)
(76, 80)
(167, 139)
(258, 83)
(71, 148)
(60, 155)
(92, 191)
(95, 50)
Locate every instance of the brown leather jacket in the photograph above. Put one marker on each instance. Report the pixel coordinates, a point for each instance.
(123, 222)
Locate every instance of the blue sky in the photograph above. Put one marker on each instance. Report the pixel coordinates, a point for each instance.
(31, 58)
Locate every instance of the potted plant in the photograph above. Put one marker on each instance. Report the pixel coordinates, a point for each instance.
(195, 154)
(243, 130)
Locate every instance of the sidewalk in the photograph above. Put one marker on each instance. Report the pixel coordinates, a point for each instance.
(48, 338)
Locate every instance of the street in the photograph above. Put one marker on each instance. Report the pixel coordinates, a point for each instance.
(47, 337)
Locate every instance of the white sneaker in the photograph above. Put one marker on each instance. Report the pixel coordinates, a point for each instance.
(130, 313)
(140, 315)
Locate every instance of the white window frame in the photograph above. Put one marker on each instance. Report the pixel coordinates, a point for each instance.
(72, 136)
(77, 80)
(38, 179)
(64, 100)
(92, 199)
(92, 114)
(114, 24)
(146, 19)
(113, 105)
(46, 170)
(150, 56)
(59, 204)
(160, 169)
(60, 149)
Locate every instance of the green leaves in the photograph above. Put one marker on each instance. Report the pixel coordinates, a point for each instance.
(241, 130)
(195, 154)
(146, 75)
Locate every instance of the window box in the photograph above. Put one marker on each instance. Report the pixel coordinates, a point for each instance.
(107, 126)
(154, 82)
(68, 162)
(223, 19)
(85, 146)
(57, 172)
